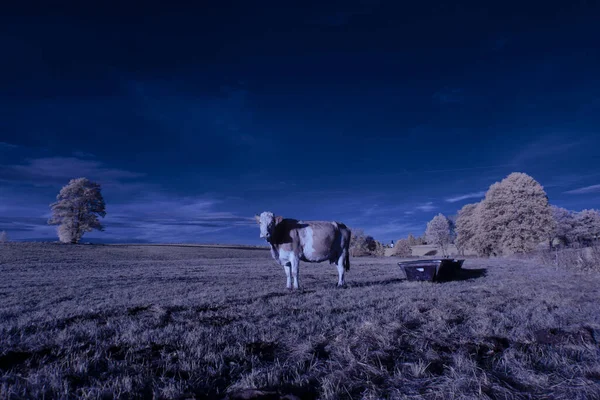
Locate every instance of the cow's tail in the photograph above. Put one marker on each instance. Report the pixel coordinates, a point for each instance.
(346, 249)
(347, 261)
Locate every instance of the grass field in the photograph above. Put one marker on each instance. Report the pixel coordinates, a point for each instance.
(192, 322)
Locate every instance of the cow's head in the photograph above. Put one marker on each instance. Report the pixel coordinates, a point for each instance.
(267, 222)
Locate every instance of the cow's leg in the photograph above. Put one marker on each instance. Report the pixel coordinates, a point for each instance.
(340, 268)
(295, 261)
(287, 267)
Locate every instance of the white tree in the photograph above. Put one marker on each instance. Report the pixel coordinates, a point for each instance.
(467, 227)
(412, 240)
(439, 232)
(587, 227)
(402, 248)
(565, 223)
(515, 216)
(76, 211)
(3, 237)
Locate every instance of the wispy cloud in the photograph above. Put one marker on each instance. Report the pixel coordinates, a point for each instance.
(393, 229)
(160, 218)
(7, 146)
(426, 207)
(585, 190)
(462, 197)
(546, 147)
(51, 170)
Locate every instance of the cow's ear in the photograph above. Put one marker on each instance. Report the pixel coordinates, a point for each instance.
(278, 220)
(257, 218)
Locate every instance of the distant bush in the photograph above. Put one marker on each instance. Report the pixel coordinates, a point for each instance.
(412, 241)
(363, 245)
(402, 248)
(439, 232)
(431, 253)
(3, 237)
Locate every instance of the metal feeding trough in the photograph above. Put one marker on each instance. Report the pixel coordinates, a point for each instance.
(431, 270)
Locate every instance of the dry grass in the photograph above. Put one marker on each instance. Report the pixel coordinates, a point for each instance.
(188, 322)
(584, 259)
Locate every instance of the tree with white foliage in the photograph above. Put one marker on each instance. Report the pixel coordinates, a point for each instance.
(439, 232)
(402, 248)
(565, 223)
(515, 216)
(587, 227)
(3, 237)
(467, 228)
(76, 211)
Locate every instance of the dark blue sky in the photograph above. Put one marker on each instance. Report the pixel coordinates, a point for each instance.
(374, 113)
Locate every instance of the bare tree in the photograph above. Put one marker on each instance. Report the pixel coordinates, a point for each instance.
(402, 248)
(76, 211)
(467, 227)
(3, 237)
(412, 241)
(515, 216)
(438, 232)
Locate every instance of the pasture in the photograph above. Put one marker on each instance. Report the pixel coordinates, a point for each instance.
(198, 322)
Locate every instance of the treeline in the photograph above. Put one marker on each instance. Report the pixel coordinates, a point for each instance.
(515, 217)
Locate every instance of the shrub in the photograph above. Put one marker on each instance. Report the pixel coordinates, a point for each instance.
(439, 232)
(402, 248)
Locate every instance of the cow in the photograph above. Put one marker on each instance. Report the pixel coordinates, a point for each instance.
(293, 241)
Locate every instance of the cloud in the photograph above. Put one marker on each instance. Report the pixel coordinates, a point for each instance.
(7, 146)
(585, 190)
(52, 170)
(393, 230)
(159, 218)
(546, 147)
(465, 196)
(426, 207)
